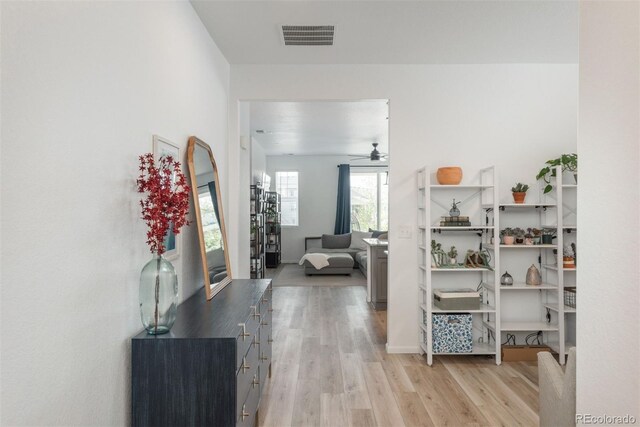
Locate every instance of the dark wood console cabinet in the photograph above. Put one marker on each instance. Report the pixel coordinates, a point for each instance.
(211, 368)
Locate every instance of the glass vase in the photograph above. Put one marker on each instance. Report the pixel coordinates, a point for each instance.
(158, 295)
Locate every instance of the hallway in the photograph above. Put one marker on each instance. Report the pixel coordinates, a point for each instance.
(330, 369)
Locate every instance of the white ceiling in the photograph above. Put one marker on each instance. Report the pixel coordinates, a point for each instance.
(397, 32)
(321, 127)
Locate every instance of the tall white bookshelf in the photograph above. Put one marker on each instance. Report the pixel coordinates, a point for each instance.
(552, 318)
(564, 193)
(433, 202)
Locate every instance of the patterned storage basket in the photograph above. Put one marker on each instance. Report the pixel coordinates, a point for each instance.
(570, 296)
(452, 333)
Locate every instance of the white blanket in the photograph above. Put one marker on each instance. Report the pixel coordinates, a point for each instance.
(319, 261)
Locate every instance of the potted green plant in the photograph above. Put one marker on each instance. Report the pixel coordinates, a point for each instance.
(437, 254)
(547, 235)
(519, 235)
(537, 235)
(519, 192)
(568, 162)
(453, 255)
(507, 235)
(528, 237)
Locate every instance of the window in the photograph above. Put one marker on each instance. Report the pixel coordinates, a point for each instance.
(210, 225)
(369, 201)
(287, 187)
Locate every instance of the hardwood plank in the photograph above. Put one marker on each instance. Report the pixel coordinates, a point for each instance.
(355, 389)
(396, 375)
(310, 359)
(412, 410)
(362, 418)
(306, 409)
(383, 402)
(430, 396)
(332, 410)
(330, 370)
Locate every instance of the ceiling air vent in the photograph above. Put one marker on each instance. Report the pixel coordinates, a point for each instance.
(308, 35)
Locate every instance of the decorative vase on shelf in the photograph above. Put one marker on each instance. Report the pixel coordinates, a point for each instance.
(506, 279)
(451, 175)
(158, 295)
(533, 276)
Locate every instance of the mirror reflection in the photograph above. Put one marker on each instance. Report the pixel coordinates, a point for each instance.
(207, 201)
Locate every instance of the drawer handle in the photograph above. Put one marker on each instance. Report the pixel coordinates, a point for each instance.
(264, 299)
(263, 357)
(244, 366)
(244, 333)
(256, 343)
(255, 313)
(244, 413)
(255, 381)
(264, 323)
(270, 310)
(269, 340)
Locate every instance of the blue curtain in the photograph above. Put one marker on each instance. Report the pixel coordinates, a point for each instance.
(343, 211)
(214, 200)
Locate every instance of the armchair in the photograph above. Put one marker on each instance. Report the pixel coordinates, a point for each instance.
(557, 390)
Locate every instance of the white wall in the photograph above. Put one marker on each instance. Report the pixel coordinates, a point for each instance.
(258, 162)
(84, 87)
(318, 183)
(514, 116)
(608, 332)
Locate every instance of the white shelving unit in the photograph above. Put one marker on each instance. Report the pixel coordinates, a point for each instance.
(552, 317)
(565, 198)
(478, 196)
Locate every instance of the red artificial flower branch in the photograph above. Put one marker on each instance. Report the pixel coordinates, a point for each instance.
(167, 199)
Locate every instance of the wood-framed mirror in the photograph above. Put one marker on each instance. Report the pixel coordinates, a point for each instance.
(207, 204)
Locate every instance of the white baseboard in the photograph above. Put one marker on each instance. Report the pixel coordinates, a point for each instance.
(402, 349)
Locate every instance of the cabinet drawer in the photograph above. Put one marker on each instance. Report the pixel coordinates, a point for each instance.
(265, 321)
(247, 413)
(246, 373)
(265, 304)
(246, 332)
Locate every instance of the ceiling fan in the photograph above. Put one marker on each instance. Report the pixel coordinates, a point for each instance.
(374, 156)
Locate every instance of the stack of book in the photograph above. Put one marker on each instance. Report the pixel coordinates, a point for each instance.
(455, 221)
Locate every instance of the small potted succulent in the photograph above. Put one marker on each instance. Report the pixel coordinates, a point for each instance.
(508, 236)
(453, 255)
(519, 235)
(537, 235)
(519, 192)
(568, 257)
(547, 235)
(528, 237)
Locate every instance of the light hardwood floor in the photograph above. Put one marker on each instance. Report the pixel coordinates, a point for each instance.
(330, 369)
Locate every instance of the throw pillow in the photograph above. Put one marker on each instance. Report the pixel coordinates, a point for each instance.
(356, 239)
(376, 233)
(336, 241)
(384, 236)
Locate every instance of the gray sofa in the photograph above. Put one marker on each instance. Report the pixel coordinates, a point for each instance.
(338, 244)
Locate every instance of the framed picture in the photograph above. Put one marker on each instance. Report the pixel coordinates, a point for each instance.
(162, 147)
